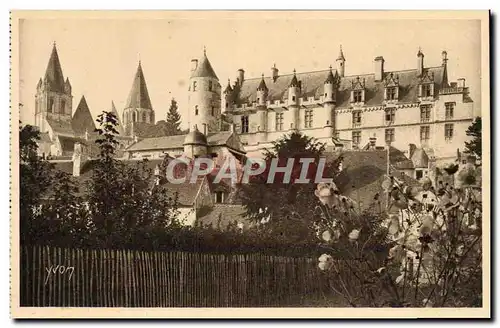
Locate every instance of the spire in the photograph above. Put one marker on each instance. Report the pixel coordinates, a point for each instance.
(115, 112)
(139, 96)
(294, 82)
(53, 74)
(228, 88)
(341, 54)
(82, 119)
(330, 78)
(262, 86)
(204, 68)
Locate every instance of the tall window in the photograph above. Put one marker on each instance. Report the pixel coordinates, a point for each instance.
(425, 113)
(448, 131)
(356, 137)
(424, 133)
(390, 113)
(133, 117)
(213, 111)
(219, 197)
(144, 117)
(209, 85)
(389, 135)
(244, 124)
(391, 93)
(450, 108)
(279, 121)
(426, 90)
(357, 95)
(194, 85)
(50, 105)
(308, 119)
(356, 118)
(196, 110)
(63, 106)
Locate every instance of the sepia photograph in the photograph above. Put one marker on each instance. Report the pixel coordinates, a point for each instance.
(274, 164)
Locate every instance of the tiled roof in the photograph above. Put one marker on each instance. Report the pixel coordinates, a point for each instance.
(62, 126)
(312, 84)
(139, 96)
(53, 74)
(223, 215)
(82, 120)
(175, 142)
(204, 68)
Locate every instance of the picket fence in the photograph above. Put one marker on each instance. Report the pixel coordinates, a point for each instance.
(121, 278)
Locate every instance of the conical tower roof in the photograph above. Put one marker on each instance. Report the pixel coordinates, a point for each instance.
(53, 74)
(139, 96)
(113, 110)
(82, 120)
(228, 89)
(341, 55)
(294, 82)
(330, 78)
(262, 84)
(204, 68)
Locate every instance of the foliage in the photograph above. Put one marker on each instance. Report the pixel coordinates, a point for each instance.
(426, 253)
(474, 146)
(173, 122)
(287, 206)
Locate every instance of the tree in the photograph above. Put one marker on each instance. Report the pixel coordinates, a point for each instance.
(288, 206)
(173, 119)
(474, 146)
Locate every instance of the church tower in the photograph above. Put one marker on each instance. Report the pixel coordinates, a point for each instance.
(53, 99)
(138, 107)
(204, 96)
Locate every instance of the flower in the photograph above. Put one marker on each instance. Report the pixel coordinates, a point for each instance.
(325, 262)
(354, 235)
(326, 193)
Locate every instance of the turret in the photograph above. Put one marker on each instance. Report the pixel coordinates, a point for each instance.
(262, 92)
(294, 90)
(341, 63)
(204, 95)
(329, 87)
(195, 143)
(227, 97)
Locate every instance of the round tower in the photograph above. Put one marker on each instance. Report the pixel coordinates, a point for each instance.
(227, 98)
(262, 92)
(204, 95)
(195, 143)
(293, 101)
(341, 63)
(329, 100)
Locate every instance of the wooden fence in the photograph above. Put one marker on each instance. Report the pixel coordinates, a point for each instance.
(121, 278)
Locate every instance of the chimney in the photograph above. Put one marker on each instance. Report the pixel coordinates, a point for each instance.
(379, 68)
(274, 73)
(444, 56)
(461, 82)
(420, 63)
(241, 76)
(194, 64)
(204, 128)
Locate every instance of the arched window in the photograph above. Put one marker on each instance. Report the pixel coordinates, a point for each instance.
(133, 117)
(144, 117)
(196, 110)
(50, 105)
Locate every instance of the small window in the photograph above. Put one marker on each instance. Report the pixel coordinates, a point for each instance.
(450, 108)
(258, 99)
(389, 135)
(279, 121)
(391, 93)
(227, 104)
(219, 197)
(419, 174)
(194, 85)
(63, 106)
(144, 117)
(424, 133)
(210, 86)
(425, 113)
(356, 137)
(213, 111)
(308, 118)
(357, 96)
(326, 95)
(244, 124)
(356, 118)
(390, 114)
(426, 90)
(196, 110)
(134, 118)
(448, 131)
(50, 105)
(293, 98)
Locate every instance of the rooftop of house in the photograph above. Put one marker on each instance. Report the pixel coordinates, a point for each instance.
(221, 216)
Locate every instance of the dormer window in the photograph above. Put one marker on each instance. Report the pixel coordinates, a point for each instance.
(426, 90)
(426, 86)
(391, 88)
(358, 91)
(391, 93)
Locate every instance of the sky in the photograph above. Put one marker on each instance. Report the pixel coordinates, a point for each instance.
(100, 56)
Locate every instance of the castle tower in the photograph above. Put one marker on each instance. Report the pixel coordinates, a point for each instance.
(341, 63)
(53, 99)
(204, 95)
(262, 92)
(329, 100)
(227, 98)
(138, 107)
(294, 90)
(195, 143)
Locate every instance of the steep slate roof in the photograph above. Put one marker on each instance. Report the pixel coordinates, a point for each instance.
(204, 68)
(82, 119)
(139, 96)
(53, 74)
(113, 110)
(313, 83)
